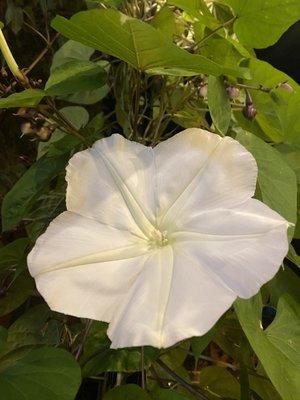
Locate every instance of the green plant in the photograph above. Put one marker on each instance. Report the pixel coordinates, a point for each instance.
(146, 69)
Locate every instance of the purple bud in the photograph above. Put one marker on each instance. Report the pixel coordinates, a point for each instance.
(249, 111)
(233, 92)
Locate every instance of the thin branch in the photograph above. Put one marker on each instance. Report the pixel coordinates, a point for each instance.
(36, 32)
(143, 376)
(181, 381)
(224, 364)
(85, 335)
(41, 55)
(229, 22)
(260, 87)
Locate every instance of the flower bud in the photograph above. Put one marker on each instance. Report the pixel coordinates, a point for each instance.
(286, 86)
(44, 133)
(249, 111)
(233, 92)
(27, 128)
(203, 91)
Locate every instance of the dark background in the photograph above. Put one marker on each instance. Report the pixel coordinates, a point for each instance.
(285, 54)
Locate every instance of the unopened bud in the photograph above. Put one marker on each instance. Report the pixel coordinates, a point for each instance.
(249, 111)
(22, 112)
(203, 91)
(233, 92)
(27, 128)
(286, 86)
(25, 112)
(44, 133)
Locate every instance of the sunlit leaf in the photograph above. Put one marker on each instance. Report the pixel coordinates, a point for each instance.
(277, 181)
(277, 346)
(260, 23)
(75, 76)
(218, 103)
(26, 98)
(137, 43)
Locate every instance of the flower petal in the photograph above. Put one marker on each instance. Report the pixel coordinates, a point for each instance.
(243, 246)
(113, 182)
(199, 170)
(174, 294)
(83, 267)
(196, 301)
(140, 318)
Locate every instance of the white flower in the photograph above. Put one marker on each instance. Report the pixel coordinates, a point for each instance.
(158, 242)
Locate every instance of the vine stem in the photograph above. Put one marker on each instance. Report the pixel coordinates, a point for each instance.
(42, 54)
(226, 23)
(143, 376)
(261, 88)
(11, 62)
(85, 335)
(181, 381)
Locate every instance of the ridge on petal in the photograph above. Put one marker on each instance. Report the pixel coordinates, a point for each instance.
(214, 172)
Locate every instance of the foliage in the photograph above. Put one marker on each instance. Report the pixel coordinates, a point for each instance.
(146, 69)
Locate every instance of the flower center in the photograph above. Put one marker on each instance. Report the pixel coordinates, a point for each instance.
(158, 238)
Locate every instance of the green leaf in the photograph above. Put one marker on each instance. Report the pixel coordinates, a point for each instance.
(18, 291)
(197, 9)
(75, 76)
(98, 357)
(13, 253)
(71, 51)
(164, 22)
(27, 98)
(260, 23)
(261, 385)
(167, 394)
(218, 383)
(19, 199)
(137, 43)
(3, 336)
(232, 340)
(218, 103)
(285, 281)
(74, 51)
(127, 392)
(293, 256)
(219, 49)
(14, 16)
(278, 118)
(277, 346)
(34, 327)
(263, 73)
(277, 181)
(51, 203)
(77, 115)
(200, 343)
(88, 96)
(45, 374)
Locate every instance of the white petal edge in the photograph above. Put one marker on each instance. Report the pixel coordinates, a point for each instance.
(114, 183)
(82, 267)
(243, 246)
(198, 170)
